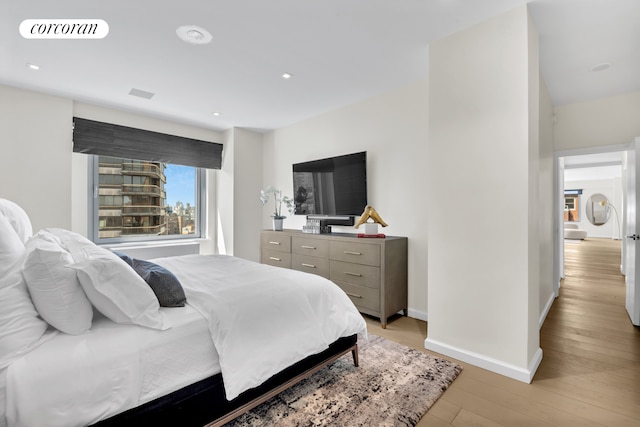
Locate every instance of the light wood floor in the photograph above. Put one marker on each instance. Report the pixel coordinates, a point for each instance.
(590, 372)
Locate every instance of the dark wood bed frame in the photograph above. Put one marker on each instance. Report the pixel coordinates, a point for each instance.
(204, 404)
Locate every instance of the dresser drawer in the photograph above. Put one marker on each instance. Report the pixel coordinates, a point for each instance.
(310, 246)
(360, 253)
(362, 296)
(275, 241)
(357, 274)
(310, 264)
(275, 257)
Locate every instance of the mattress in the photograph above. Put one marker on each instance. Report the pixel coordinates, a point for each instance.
(130, 364)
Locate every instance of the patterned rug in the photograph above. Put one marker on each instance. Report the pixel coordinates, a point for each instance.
(394, 386)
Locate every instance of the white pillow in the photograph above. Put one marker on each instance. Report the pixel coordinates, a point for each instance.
(74, 243)
(117, 291)
(11, 247)
(18, 218)
(20, 326)
(54, 287)
(10, 243)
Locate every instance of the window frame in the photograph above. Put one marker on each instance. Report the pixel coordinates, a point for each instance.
(94, 209)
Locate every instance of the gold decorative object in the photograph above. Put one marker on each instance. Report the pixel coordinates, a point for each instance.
(370, 213)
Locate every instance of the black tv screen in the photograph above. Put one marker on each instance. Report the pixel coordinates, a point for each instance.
(331, 186)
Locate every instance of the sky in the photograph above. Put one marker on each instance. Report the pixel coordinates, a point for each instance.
(181, 184)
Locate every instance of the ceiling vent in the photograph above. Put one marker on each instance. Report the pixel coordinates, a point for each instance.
(601, 67)
(141, 93)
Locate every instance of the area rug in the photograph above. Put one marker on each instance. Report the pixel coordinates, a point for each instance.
(394, 386)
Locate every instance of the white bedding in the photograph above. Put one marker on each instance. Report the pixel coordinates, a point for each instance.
(262, 318)
(246, 320)
(75, 380)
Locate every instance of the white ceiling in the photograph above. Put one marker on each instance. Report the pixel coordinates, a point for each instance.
(594, 173)
(589, 160)
(339, 52)
(592, 167)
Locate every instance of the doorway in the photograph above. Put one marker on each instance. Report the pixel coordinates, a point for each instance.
(581, 174)
(593, 194)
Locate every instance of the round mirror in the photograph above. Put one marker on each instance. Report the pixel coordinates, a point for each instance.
(597, 209)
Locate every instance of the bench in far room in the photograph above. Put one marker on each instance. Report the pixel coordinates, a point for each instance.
(572, 231)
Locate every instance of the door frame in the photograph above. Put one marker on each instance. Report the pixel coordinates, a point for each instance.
(558, 189)
(630, 255)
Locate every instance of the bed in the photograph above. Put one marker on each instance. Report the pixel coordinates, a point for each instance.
(88, 336)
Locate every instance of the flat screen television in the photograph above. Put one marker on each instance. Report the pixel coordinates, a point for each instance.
(332, 189)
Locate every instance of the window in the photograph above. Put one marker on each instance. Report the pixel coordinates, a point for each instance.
(147, 199)
(136, 200)
(569, 203)
(572, 205)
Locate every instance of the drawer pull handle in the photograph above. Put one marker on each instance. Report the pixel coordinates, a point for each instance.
(275, 259)
(274, 243)
(348, 273)
(353, 295)
(308, 265)
(352, 253)
(308, 247)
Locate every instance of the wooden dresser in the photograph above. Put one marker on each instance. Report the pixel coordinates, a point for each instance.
(373, 272)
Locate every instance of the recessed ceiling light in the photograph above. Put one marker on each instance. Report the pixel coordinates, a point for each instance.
(194, 34)
(601, 67)
(287, 76)
(32, 66)
(215, 113)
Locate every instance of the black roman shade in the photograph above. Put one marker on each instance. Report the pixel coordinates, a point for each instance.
(106, 139)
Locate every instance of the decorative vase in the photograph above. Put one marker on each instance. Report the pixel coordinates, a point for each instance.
(277, 224)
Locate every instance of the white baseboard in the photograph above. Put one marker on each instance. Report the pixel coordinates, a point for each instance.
(493, 365)
(547, 307)
(417, 314)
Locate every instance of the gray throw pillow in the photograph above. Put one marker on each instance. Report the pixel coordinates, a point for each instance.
(164, 283)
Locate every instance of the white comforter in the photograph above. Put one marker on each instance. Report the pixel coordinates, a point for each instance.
(263, 319)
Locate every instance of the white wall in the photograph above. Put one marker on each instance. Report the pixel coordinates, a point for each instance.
(35, 162)
(240, 210)
(547, 205)
(392, 128)
(607, 121)
(483, 151)
(225, 218)
(533, 353)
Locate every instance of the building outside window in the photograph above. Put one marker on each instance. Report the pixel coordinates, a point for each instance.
(145, 200)
(572, 205)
